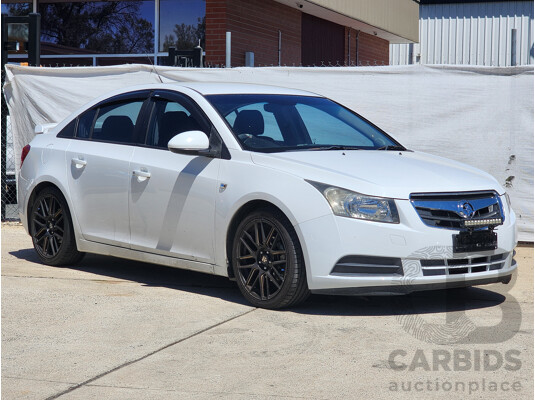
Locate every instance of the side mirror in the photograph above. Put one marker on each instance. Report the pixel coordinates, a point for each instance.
(189, 142)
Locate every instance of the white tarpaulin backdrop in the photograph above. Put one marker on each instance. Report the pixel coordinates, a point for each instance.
(482, 116)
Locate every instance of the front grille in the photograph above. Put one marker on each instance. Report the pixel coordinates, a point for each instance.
(457, 266)
(451, 210)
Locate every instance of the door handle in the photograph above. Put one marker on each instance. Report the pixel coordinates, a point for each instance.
(142, 174)
(79, 162)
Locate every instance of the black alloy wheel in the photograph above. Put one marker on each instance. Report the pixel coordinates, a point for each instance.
(268, 262)
(51, 229)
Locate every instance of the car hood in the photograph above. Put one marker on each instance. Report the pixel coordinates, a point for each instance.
(392, 174)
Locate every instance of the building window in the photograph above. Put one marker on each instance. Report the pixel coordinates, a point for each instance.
(15, 8)
(83, 29)
(182, 24)
(108, 27)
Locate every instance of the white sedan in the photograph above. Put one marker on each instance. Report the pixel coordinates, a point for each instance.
(284, 191)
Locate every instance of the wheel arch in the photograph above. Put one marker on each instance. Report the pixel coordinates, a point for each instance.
(240, 213)
(39, 188)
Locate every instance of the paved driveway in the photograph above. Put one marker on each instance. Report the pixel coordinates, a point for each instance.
(109, 328)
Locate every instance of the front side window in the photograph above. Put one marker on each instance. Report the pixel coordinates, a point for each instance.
(170, 118)
(85, 124)
(274, 123)
(265, 121)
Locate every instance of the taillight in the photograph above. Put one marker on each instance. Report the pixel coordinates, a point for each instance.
(25, 151)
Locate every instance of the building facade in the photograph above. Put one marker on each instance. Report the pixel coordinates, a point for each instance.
(308, 32)
(263, 32)
(471, 32)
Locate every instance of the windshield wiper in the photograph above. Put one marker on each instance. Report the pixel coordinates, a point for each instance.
(333, 147)
(392, 147)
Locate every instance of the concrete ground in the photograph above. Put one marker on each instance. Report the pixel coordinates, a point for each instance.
(109, 328)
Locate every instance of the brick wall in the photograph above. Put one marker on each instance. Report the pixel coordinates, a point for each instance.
(216, 26)
(372, 50)
(255, 27)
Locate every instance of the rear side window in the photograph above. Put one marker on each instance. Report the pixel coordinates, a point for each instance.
(117, 122)
(68, 131)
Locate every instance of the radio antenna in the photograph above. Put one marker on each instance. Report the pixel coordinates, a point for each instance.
(154, 69)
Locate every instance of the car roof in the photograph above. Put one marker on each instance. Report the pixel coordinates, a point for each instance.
(207, 88)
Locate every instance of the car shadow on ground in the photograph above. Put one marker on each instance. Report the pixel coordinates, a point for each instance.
(437, 301)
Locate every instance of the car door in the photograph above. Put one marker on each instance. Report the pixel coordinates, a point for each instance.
(172, 196)
(99, 170)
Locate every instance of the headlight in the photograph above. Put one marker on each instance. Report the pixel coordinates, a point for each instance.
(508, 202)
(508, 199)
(346, 203)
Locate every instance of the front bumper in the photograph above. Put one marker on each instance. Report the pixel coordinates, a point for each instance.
(328, 239)
(406, 289)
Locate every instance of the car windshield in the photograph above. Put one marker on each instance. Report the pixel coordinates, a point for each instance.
(275, 123)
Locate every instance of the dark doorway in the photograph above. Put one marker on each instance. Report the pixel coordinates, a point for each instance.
(321, 41)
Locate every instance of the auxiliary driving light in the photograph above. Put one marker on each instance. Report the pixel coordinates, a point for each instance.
(482, 222)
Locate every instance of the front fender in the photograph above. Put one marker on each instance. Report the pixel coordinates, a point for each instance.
(245, 183)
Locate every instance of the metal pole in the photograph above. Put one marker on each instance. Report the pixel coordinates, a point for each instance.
(513, 47)
(349, 46)
(197, 56)
(34, 40)
(280, 46)
(228, 51)
(34, 6)
(357, 49)
(156, 30)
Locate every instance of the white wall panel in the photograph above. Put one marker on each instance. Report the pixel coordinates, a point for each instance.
(471, 34)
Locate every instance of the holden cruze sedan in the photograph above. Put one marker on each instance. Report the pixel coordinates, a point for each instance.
(284, 191)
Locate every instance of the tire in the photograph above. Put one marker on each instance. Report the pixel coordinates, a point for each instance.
(268, 262)
(51, 229)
